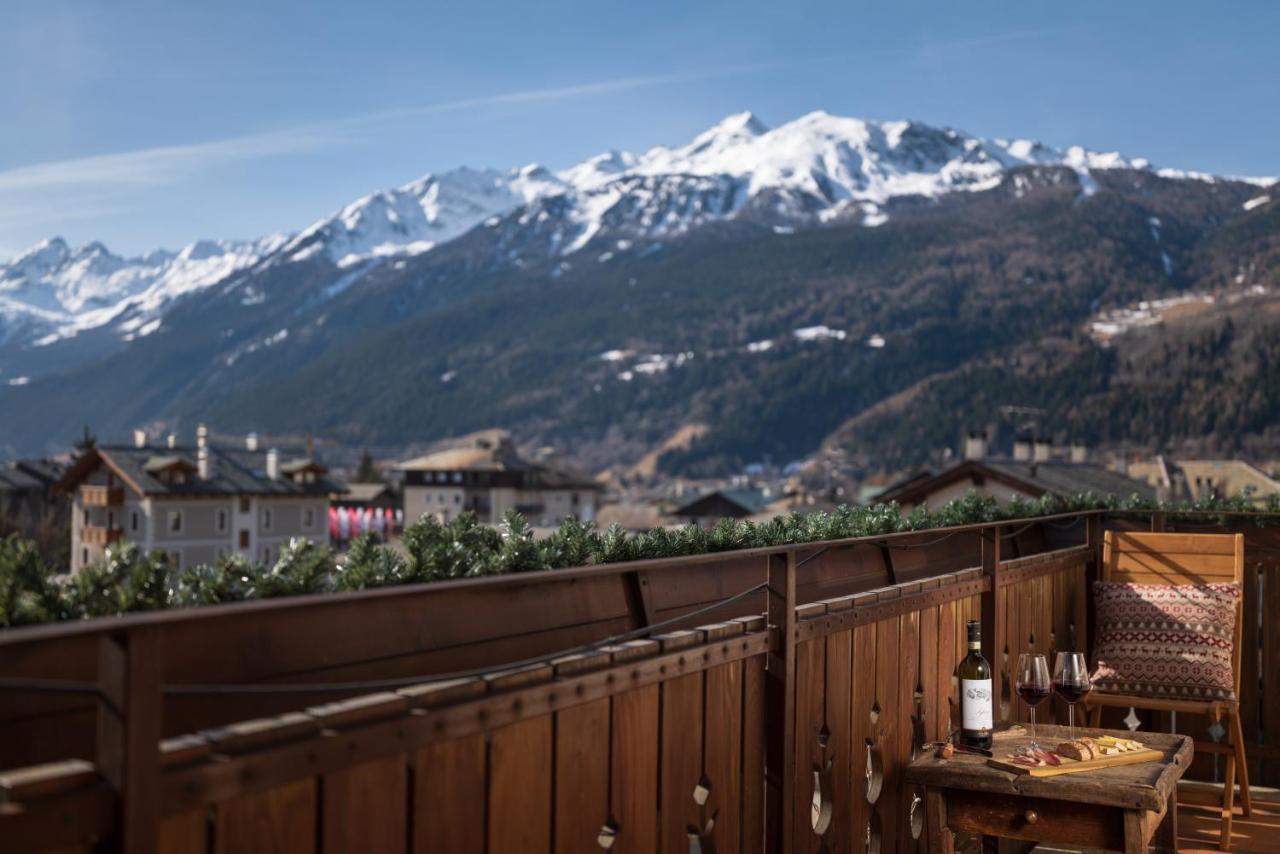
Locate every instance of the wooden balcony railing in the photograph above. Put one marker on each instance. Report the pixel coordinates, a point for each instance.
(771, 669)
(97, 535)
(101, 496)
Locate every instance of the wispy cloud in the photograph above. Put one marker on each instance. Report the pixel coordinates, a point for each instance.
(167, 164)
(54, 191)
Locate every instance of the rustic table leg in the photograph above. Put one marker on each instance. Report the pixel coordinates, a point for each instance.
(935, 805)
(1165, 839)
(1135, 841)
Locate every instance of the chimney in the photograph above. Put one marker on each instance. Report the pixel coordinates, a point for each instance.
(251, 442)
(975, 445)
(273, 464)
(172, 441)
(1043, 450)
(1022, 449)
(1079, 452)
(202, 436)
(139, 438)
(204, 463)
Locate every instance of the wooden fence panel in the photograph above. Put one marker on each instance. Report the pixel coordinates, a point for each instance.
(722, 749)
(520, 762)
(810, 726)
(449, 782)
(681, 760)
(885, 732)
(1270, 666)
(278, 821)
(840, 747)
(862, 729)
(754, 736)
(185, 833)
(582, 776)
(634, 771)
(365, 807)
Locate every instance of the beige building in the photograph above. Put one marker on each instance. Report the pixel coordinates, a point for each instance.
(484, 473)
(195, 503)
(1191, 480)
(1037, 469)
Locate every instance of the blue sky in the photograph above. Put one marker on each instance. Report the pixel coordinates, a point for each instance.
(146, 124)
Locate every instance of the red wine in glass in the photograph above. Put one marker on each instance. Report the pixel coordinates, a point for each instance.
(1033, 695)
(1069, 692)
(1032, 683)
(1071, 682)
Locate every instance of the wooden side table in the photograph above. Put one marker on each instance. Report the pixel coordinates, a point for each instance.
(1126, 808)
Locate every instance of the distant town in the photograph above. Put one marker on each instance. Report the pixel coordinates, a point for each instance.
(209, 496)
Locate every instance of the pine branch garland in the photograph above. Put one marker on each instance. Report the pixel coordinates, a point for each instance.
(127, 580)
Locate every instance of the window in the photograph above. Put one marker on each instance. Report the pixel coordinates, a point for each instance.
(308, 518)
(84, 557)
(266, 554)
(222, 521)
(457, 498)
(244, 539)
(133, 521)
(175, 558)
(86, 517)
(266, 518)
(457, 477)
(244, 505)
(175, 521)
(573, 499)
(111, 519)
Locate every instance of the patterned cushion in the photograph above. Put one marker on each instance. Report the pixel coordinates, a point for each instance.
(1166, 640)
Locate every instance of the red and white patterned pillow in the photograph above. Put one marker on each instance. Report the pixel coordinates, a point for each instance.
(1166, 640)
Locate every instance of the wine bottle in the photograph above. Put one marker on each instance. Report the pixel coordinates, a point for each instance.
(975, 693)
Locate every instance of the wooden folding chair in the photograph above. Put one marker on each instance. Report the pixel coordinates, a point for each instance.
(1142, 558)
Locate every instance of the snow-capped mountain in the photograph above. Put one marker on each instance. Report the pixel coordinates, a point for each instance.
(53, 291)
(814, 170)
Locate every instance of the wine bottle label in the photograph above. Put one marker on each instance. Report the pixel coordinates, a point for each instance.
(975, 704)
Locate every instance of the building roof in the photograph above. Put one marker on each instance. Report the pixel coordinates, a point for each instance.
(28, 474)
(493, 450)
(750, 501)
(358, 492)
(235, 472)
(1049, 477)
(1059, 477)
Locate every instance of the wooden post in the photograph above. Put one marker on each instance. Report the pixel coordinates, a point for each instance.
(1093, 571)
(780, 703)
(993, 628)
(1158, 522)
(637, 585)
(129, 726)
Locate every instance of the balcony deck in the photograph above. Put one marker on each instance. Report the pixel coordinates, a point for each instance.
(1198, 829)
(544, 711)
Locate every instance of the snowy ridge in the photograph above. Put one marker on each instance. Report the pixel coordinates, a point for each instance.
(816, 169)
(54, 291)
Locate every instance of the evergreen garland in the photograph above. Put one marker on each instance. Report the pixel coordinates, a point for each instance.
(127, 580)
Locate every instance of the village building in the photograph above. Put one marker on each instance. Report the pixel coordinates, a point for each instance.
(1194, 480)
(197, 504)
(1036, 470)
(485, 473)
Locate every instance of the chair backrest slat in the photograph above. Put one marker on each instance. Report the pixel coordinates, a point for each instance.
(1150, 558)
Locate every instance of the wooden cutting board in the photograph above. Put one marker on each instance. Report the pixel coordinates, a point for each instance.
(1074, 766)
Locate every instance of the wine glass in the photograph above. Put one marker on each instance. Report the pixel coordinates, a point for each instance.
(1071, 682)
(1032, 684)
